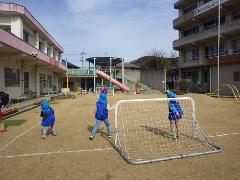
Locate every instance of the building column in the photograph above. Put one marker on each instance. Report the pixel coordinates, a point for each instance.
(200, 83)
(36, 40)
(51, 51)
(37, 81)
(22, 76)
(45, 47)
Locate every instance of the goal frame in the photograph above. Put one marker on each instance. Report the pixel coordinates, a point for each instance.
(118, 145)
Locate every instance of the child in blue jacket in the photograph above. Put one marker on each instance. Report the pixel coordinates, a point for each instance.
(174, 115)
(48, 119)
(101, 115)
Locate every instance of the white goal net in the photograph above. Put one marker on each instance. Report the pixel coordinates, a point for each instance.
(143, 132)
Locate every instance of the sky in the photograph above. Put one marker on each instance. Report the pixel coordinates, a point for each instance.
(118, 28)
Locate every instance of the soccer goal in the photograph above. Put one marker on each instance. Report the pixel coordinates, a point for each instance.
(143, 131)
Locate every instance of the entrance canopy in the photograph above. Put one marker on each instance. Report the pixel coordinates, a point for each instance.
(104, 61)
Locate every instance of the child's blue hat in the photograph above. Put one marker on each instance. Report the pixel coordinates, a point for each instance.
(45, 106)
(102, 98)
(171, 94)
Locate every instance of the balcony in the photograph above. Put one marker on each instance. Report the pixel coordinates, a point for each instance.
(80, 73)
(224, 59)
(181, 3)
(226, 29)
(180, 21)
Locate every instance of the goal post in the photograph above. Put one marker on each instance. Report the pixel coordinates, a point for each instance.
(143, 131)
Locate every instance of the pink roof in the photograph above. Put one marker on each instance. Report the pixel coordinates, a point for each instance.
(10, 7)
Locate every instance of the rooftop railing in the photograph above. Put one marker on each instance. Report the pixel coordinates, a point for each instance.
(228, 28)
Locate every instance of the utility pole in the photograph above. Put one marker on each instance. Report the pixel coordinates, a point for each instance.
(82, 57)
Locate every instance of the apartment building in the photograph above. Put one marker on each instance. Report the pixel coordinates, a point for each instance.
(197, 44)
(30, 58)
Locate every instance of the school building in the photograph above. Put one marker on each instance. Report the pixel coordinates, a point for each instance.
(30, 58)
(197, 44)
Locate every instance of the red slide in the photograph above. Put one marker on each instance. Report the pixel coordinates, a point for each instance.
(114, 81)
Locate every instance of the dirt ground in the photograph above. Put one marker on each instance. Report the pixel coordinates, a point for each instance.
(70, 155)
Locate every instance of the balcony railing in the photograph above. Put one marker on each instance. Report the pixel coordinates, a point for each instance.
(180, 3)
(227, 28)
(80, 72)
(183, 19)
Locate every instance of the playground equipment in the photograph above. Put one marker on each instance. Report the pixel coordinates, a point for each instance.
(233, 89)
(114, 81)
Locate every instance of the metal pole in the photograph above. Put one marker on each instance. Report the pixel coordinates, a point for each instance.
(122, 71)
(110, 68)
(210, 77)
(219, 16)
(94, 74)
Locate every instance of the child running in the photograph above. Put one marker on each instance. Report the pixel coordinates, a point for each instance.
(48, 119)
(101, 114)
(175, 114)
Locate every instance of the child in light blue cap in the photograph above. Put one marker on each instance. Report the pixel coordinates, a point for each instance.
(48, 119)
(174, 115)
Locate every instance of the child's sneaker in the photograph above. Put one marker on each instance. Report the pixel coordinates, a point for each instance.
(91, 137)
(44, 137)
(54, 134)
(109, 136)
(172, 138)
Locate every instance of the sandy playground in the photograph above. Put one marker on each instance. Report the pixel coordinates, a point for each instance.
(70, 155)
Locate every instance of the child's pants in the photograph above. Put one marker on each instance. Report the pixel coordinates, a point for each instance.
(98, 122)
(46, 128)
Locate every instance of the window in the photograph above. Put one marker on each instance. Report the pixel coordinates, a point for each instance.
(236, 76)
(49, 79)
(214, 23)
(236, 15)
(26, 81)
(191, 55)
(6, 28)
(25, 36)
(221, 49)
(236, 46)
(40, 46)
(191, 31)
(195, 54)
(212, 50)
(206, 1)
(48, 51)
(190, 8)
(12, 77)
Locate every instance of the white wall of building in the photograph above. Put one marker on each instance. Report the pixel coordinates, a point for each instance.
(34, 71)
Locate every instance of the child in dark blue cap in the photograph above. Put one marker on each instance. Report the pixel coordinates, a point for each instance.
(48, 119)
(174, 115)
(101, 115)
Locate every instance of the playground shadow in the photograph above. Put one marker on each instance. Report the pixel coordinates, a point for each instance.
(103, 132)
(157, 131)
